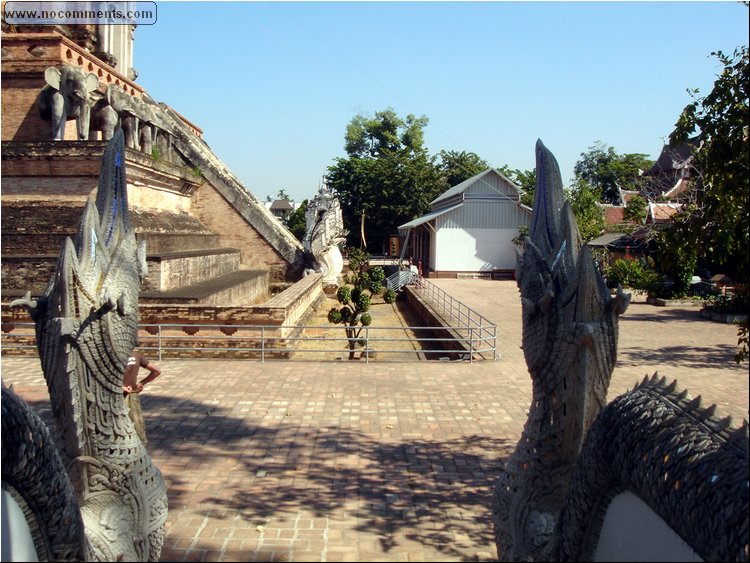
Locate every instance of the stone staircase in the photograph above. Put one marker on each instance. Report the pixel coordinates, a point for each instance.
(186, 265)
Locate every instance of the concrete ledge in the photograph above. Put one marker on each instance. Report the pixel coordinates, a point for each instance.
(659, 302)
(720, 317)
(241, 288)
(175, 270)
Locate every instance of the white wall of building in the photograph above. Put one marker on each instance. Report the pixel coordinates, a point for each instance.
(474, 250)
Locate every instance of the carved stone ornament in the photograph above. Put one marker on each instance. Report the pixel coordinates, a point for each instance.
(576, 453)
(86, 326)
(325, 232)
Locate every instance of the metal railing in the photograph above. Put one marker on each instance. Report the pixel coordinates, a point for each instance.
(401, 278)
(453, 311)
(269, 342)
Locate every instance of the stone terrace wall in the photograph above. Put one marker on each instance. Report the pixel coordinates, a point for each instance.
(287, 308)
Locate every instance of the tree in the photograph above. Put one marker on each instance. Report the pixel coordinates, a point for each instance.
(296, 222)
(526, 180)
(455, 166)
(715, 221)
(355, 301)
(609, 172)
(584, 201)
(636, 210)
(282, 195)
(387, 178)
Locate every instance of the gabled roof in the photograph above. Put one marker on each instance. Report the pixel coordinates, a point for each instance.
(463, 186)
(672, 158)
(282, 204)
(428, 217)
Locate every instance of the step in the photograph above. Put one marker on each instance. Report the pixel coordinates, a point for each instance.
(40, 228)
(238, 289)
(173, 270)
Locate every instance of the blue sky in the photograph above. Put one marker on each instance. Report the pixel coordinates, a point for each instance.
(274, 84)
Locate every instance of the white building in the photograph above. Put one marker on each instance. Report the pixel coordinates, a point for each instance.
(469, 229)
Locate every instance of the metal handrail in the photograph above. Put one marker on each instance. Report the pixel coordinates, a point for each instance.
(401, 278)
(264, 339)
(466, 317)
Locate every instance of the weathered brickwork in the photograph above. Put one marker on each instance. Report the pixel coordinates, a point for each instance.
(204, 233)
(214, 211)
(25, 124)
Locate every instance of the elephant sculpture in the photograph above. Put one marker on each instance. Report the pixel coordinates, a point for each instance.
(136, 118)
(104, 118)
(66, 96)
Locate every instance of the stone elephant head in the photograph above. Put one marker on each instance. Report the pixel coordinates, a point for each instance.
(66, 96)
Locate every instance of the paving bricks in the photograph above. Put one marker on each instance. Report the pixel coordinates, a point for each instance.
(339, 461)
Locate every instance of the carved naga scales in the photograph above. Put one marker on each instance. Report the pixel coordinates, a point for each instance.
(570, 344)
(576, 453)
(86, 326)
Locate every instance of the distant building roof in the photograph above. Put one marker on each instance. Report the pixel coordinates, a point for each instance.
(462, 187)
(720, 278)
(679, 188)
(621, 241)
(671, 159)
(281, 205)
(614, 214)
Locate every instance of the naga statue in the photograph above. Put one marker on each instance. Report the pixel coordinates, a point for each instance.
(325, 232)
(576, 453)
(86, 326)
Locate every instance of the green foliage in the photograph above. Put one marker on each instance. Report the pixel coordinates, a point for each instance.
(455, 167)
(636, 210)
(389, 296)
(296, 221)
(607, 171)
(384, 133)
(584, 201)
(355, 301)
(635, 274)
(737, 304)
(523, 232)
(742, 342)
(282, 195)
(526, 180)
(387, 178)
(677, 260)
(156, 153)
(717, 221)
(344, 295)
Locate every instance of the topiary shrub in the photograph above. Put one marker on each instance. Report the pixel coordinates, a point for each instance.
(355, 298)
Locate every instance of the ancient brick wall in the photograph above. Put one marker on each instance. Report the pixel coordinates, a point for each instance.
(234, 232)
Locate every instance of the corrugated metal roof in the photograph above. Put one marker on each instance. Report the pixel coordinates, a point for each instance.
(460, 188)
(606, 239)
(428, 217)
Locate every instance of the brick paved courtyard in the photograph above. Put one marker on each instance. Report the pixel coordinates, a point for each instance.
(338, 461)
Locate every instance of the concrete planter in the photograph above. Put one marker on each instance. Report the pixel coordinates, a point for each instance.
(728, 318)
